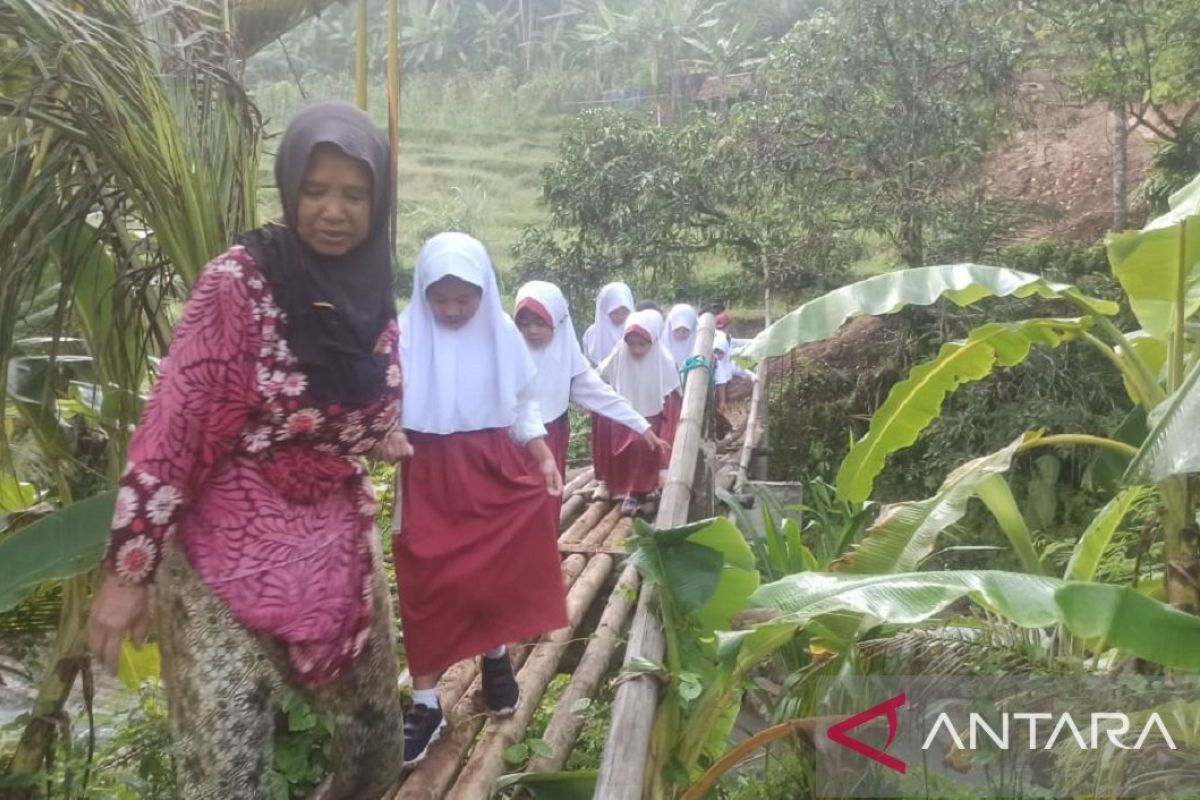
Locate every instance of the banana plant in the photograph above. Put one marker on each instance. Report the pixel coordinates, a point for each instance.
(1159, 269)
(128, 153)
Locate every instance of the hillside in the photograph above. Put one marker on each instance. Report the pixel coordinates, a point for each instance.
(470, 158)
(1059, 161)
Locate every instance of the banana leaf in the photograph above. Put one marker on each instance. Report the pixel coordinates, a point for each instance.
(1116, 616)
(905, 533)
(1159, 266)
(1086, 555)
(553, 785)
(61, 545)
(916, 401)
(1172, 446)
(962, 284)
(707, 568)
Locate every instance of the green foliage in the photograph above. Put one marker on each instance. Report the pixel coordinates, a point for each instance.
(133, 758)
(890, 107)
(1176, 161)
(302, 755)
(61, 545)
(625, 201)
(1137, 55)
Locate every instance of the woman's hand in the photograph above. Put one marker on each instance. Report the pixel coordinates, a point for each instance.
(656, 443)
(547, 465)
(393, 447)
(118, 609)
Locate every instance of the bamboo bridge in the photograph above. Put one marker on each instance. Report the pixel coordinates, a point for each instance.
(608, 608)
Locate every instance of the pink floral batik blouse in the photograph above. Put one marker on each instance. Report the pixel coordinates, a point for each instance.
(262, 485)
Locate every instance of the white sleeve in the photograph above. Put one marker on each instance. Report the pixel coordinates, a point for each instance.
(529, 425)
(591, 392)
(745, 374)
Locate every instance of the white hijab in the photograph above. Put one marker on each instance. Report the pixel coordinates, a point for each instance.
(681, 316)
(645, 381)
(466, 379)
(724, 367)
(600, 339)
(561, 359)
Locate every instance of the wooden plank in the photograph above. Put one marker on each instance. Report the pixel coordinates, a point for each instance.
(623, 765)
(487, 761)
(565, 724)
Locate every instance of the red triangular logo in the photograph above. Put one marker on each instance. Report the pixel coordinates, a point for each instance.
(837, 733)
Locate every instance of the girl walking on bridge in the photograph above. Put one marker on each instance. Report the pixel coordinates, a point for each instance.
(563, 374)
(476, 556)
(642, 371)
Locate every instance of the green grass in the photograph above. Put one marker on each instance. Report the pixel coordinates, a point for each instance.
(471, 156)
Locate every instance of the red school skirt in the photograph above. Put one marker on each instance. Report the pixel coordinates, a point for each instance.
(630, 466)
(558, 438)
(477, 561)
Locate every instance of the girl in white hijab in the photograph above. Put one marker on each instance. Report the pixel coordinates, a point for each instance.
(642, 371)
(476, 554)
(681, 332)
(563, 374)
(723, 373)
(614, 304)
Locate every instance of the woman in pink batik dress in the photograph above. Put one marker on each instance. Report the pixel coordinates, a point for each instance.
(245, 518)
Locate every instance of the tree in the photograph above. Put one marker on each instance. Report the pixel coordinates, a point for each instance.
(1138, 57)
(625, 201)
(888, 105)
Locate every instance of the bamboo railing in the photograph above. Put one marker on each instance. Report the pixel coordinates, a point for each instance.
(623, 766)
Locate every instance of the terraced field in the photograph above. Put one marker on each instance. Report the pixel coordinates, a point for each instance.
(470, 159)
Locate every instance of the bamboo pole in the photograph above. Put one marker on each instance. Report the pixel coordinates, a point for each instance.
(571, 508)
(434, 775)
(755, 424)
(487, 761)
(623, 765)
(360, 56)
(604, 527)
(393, 93)
(565, 724)
(579, 481)
(596, 512)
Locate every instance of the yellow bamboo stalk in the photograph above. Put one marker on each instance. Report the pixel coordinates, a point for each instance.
(393, 90)
(360, 57)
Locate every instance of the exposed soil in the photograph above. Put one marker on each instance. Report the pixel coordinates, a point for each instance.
(1060, 162)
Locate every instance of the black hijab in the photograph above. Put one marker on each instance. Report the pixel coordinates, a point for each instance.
(336, 306)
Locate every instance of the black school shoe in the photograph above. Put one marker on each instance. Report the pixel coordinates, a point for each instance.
(500, 690)
(630, 506)
(422, 727)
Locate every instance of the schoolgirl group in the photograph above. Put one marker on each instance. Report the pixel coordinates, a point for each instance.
(246, 518)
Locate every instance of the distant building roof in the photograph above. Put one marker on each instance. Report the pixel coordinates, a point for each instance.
(716, 87)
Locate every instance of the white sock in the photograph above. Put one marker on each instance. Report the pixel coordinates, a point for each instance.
(496, 652)
(425, 697)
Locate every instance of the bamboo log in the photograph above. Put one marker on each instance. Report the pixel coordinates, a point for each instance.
(599, 534)
(619, 534)
(565, 723)
(754, 424)
(579, 528)
(434, 775)
(487, 761)
(623, 765)
(576, 483)
(570, 509)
